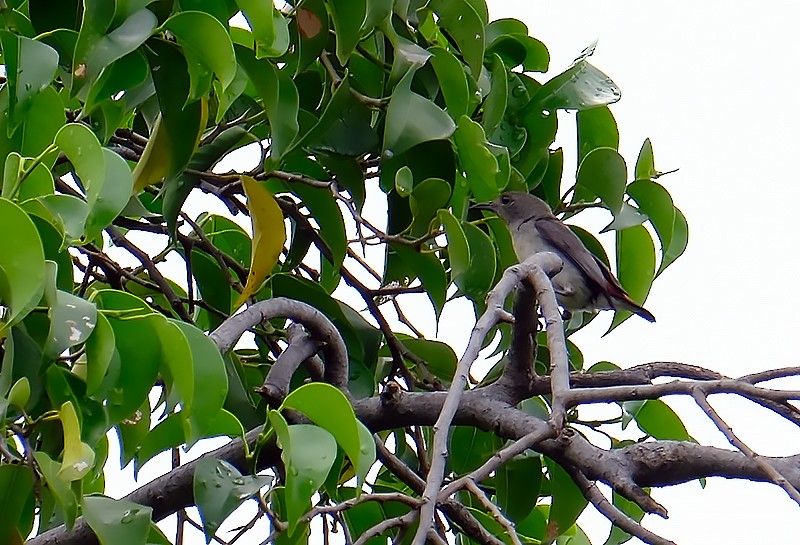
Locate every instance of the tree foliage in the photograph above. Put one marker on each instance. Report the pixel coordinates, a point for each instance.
(114, 117)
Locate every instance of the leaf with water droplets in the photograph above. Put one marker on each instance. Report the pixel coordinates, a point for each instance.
(580, 87)
(219, 489)
(117, 522)
(72, 318)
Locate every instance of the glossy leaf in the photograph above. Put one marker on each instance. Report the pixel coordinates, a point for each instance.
(269, 235)
(29, 66)
(470, 447)
(210, 380)
(628, 216)
(121, 76)
(312, 30)
(655, 201)
(636, 266)
(476, 160)
(281, 101)
(457, 246)
(426, 199)
(22, 266)
(96, 49)
(602, 174)
(645, 163)
(509, 39)
(16, 486)
(117, 522)
(308, 453)
(465, 26)
(596, 129)
(567, 503)
(657, 419)
(78, 456)
(168, 433)
(439, 357)
(494, 107)
(517, 483)
(219, 488)
(347, 16)
(580, 87)
(453, 81)
(207, 47)
(66, 213)
(412, 119)
(430, 271)
(478, 279)
(329, 409)
(176, 134)
(72, 318)
(65, 499)
(680, 238)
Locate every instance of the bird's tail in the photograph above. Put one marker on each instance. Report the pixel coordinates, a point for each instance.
(633, 306)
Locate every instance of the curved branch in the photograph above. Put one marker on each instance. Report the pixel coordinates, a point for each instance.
(317, 324)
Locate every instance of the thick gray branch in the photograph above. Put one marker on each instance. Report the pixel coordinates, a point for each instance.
(316, 323)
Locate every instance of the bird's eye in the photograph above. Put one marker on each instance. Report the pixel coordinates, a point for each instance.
(506, 200)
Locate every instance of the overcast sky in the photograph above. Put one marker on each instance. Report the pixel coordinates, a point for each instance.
(713, 84)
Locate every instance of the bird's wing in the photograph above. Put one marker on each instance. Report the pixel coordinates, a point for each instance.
(562, 237)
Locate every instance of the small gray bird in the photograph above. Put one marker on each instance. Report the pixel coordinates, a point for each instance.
(585, 283)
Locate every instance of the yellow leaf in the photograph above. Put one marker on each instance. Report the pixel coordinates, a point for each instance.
(158, 159)
(78, 456)
(269, 234)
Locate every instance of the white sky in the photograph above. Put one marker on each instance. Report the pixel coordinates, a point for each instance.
(712, 84)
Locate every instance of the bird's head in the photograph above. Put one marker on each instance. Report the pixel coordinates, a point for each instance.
(516, 206)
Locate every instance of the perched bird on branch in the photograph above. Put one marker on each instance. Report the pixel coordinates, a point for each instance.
(585, 282)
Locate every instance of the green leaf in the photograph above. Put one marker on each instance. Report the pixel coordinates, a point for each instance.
(457, 246)
(281, 101)
(123, 74)
(580, 87)
(464, 25)
(100, 351)
(509, 39)
(72, 318)
(404, 181)
(645, 163)
(632, 510)
(348, 16)
(680, 238)
(628, 216)
(138, 346)
(427, 267)
(656, 202)
(478, 279)
(95, 49)
(425, 201)
(470, 448)
(636, 266)
(517, 483)
(494, 107)
(412, 119)
(16, 486)
(453, 81)
(219, 488)
(29, 66)
(476, 160)
(66, 213)
(176, 133)
(210, 380)
(208, 48)
(568, 501)
(657, 419)
(596, 129)
(312, 30)
(439, 357)
(168, 433)
(602, 174)
(329, 409)
(22, 266)
(117, 522)
(308, 453)
(66, 502)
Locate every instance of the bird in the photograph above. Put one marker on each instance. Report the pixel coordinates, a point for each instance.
(584, 283)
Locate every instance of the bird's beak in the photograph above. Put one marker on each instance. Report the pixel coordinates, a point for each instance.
(483, 206)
